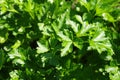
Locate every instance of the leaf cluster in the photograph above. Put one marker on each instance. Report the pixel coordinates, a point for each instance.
(59, 39)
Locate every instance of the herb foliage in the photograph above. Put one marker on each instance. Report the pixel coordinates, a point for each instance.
(59, 39)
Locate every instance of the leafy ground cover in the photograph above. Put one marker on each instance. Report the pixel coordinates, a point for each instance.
(59, 39)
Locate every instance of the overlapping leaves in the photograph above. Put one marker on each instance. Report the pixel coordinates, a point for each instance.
(51, 38)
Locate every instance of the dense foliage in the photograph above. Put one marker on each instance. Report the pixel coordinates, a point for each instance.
(59, 39)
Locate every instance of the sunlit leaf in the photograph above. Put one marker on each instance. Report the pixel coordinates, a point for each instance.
(108, 17)
(2, 39)
(63, 37)
(41, 48)
(73, 25)
(79, 18)
(85, 28)
(66, 48)
(86, 4)
(101, 43)
(20, 61)
(17, 44)
(111, 69)
(100, 36)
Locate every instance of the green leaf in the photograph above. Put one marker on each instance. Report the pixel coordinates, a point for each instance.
(73, 25)
(86, 4)
(112, 69)
(29, 5)
(17, 56)
(41, 48)
(17, 44)
(66, 48)
(85, 28)
(101, 44)
(41, 26)
(78, 43)
(20, 61)
(3, 37)
(79, 18)
(108, 17)
(14, 75)
(99, 36)
(99, 11)
(87, 17)
(115, 76)
(55, 28)
(63, 37)
(60, 20)
(51, 1)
